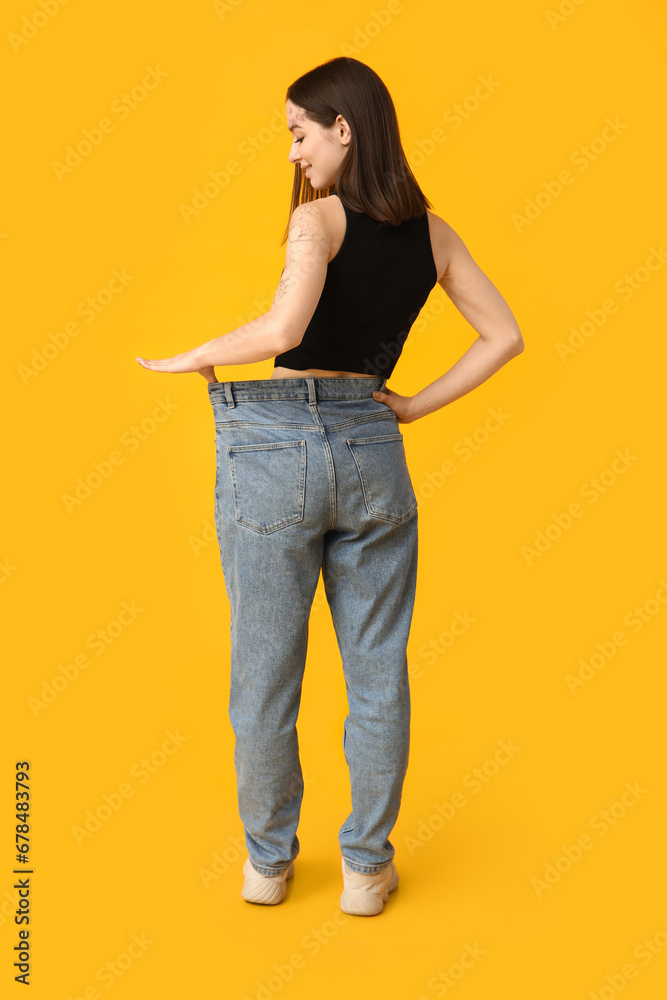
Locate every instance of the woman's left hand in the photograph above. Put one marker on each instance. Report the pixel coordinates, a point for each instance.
(187, 362)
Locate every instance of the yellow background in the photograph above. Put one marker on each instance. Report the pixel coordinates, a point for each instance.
(476, 880)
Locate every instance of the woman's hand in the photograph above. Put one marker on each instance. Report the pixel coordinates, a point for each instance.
(399, 404)
(187, 362)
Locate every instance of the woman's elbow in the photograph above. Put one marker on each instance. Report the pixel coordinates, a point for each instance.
(513, 340)
(517, 345)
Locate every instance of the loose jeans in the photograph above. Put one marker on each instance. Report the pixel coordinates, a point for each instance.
(312, 475)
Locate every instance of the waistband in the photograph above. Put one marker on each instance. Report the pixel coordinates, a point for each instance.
(311, 388)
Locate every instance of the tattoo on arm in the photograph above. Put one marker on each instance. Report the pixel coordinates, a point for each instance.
(305, 245)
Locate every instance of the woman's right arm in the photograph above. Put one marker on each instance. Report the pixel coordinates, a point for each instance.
(499, 338)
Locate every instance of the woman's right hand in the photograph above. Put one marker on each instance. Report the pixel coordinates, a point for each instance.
(399, 404)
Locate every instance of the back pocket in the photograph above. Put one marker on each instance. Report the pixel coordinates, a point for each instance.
(384, 475)
(269, 484)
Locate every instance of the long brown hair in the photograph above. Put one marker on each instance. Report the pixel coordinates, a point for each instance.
(374, 176)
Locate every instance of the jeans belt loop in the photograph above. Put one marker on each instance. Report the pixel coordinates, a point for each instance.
(229, 396)
(312, 397)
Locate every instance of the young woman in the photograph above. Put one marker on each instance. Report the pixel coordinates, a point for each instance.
(311, 469)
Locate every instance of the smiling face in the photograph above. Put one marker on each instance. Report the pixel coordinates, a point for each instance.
(318, 151)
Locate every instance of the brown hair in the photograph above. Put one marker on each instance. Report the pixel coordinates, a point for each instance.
(374, 176)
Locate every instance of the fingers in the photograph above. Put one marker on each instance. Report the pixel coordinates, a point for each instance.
(154, 366)
(162, 363)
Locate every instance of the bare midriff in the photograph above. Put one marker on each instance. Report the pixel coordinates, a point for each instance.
(279, 372)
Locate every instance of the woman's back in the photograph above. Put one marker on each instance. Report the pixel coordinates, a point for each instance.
(378, 278)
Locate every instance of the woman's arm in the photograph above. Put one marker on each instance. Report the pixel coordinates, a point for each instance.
(499, 340)
(283, 326)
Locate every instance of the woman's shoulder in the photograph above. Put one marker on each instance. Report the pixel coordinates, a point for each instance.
(441, 241)
(334, 221)
(445, 242)
(322, 208)
(322, 219)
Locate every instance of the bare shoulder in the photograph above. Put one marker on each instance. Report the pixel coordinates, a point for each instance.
(308, 215)
(445, 243)
(318, 211)
(323, 220)
(310, 225)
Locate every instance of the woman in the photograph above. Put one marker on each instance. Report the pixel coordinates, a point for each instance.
(311, 469)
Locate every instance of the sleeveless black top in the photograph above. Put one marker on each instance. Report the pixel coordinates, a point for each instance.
(374, 290)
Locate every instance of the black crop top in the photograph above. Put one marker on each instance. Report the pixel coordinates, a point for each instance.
(374, 290)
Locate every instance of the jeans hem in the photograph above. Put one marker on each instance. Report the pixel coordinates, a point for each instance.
(270, 872)
(366, 869)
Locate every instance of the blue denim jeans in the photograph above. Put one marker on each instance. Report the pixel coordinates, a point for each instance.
(312, 475)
